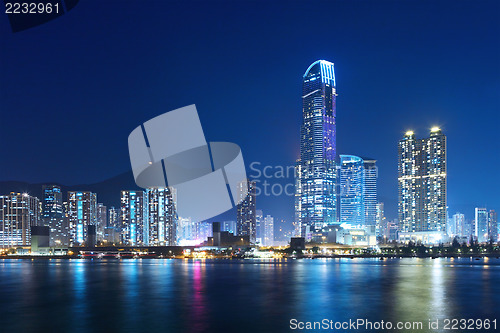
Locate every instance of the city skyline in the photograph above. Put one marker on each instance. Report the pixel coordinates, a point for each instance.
(379, 78)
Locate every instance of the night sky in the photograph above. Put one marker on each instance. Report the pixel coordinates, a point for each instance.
(74, 88)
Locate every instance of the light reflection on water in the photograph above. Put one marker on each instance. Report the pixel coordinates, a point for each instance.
(239, 295)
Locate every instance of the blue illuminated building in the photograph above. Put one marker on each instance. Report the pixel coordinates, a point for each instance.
(82, 213)
(134, 218)
(315, 197)
(352, 190)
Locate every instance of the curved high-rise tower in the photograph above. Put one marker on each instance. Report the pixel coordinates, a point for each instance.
(316, 200)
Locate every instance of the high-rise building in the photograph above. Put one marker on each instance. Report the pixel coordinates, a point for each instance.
(493, 225)
(460, 225)
(53, 215)
(370, 192)
(481, 225)
(82, 216)
(113, 217)
(134, 218)
(381, 221)
(18, 213)
(101, 221)
(316, 174)
(422, 183)
(245, 211)
(259, 226)
(352, 190)
(268, 236)
(162, 217)
(358, 191)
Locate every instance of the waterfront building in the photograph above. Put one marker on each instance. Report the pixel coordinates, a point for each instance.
(246, 211)
(268, 231)
(460, 225)
(18, 213)
(134, 218)
(493, 225)
(101, 221)
(481, 230)
(82, 216)
(422, 183)
(316, 174)
(162, 217)
(53, 215)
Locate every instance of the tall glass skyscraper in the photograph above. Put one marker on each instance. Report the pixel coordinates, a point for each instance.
(316, 178)
(134, 218)
(352, 190)
(358, 191)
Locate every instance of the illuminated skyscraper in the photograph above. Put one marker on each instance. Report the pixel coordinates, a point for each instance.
(493, 225)
(245, 213)
(422, 183)
(352, 190)
(358, 191)
(370, 192)
(82, 216)
(18, 212)
(316, 178)
(268, 236)
(481, 225)
(53, 215)
(460, 225)
(101, 221)
(162, 217)
(134, 218)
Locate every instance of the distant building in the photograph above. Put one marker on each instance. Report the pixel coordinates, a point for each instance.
(162, 217)
(225, 238)
(493, 226)
(370, 191)
(422, 183)
(460, 225)
(18, 213)
(352, 185)
(53, 215)
(113, 217)
(101, 221)
(230, 226)
(259, 226)
(82, 213)
(381, 221)
(268, 239)
(481, 225)
(134, 218)
(245, 218)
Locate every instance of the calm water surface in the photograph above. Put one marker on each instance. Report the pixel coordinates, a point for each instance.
(164, 295)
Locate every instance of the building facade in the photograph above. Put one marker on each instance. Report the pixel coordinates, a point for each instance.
(18, 213)
(370, 191)
(53, 215)
(316, 174)
(352, 190)
(134, 218)
(481, 219)
(268, 234)
(422, 183)
(162, 217)
(246, 210)
(82, 216)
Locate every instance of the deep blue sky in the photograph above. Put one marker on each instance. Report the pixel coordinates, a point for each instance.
(73, 89)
